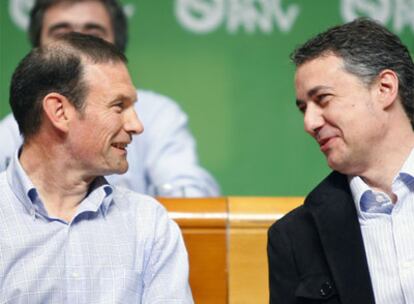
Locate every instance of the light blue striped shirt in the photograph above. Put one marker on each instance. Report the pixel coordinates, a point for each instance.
(388, 234)
(120, 247)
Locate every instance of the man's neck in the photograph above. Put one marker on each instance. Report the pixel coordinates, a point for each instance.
(383, 169)
(60, 187)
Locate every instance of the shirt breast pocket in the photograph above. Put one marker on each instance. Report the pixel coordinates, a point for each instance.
(317, 288)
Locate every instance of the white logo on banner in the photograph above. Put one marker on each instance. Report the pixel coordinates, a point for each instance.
(205, 16)
(400, 12)
(201, 16)
(19, 11)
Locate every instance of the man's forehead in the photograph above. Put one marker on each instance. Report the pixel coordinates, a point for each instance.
(322, 68)
(111, 76)
(87, 17)
(108, 68)
(320, 73)
(89, 11)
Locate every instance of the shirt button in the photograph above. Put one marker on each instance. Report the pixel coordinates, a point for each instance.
(326, 289)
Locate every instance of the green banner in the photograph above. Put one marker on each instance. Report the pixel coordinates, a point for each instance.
(226, 62)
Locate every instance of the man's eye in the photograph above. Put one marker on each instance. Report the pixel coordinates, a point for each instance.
(95, 32)
(58, 33)
(118, 106)
(301, 105)
(323, 98)
(302, 108)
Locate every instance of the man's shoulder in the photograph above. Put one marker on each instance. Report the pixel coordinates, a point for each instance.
(8, 125)
(7, 197)
(3, 179)
(330, 187)
(291, 220)
(136, 203)
(325, 192)
(148, 99)
(142, 212)
(153, 106)
(8, 119)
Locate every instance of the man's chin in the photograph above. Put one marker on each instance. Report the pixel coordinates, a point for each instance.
(119, 169)
(333, 162)
(340, 166)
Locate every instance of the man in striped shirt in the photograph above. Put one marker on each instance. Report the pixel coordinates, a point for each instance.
(352, 241)
(66, 234)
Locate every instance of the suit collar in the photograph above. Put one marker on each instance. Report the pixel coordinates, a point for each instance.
(333, 210)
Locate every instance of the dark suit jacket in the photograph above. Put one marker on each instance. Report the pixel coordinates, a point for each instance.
(316, 253)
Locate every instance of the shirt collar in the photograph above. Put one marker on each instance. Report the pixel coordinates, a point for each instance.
(406, 173)
(358, 189)
(99, 195)
(362, 193)
(20, 183)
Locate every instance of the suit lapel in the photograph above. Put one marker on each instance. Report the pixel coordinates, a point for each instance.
(333, 209)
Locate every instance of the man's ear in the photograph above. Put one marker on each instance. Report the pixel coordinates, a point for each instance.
(387, 87)
(58, 110)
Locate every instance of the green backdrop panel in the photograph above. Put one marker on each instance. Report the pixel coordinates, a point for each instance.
(226, 62)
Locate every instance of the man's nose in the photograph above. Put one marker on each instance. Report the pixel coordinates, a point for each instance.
(313, 119)
(132, 123)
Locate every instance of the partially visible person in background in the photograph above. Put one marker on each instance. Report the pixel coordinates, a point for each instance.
(163, 160)
(67, 235)
(352, 241)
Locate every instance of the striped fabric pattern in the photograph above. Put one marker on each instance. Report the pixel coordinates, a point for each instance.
(120, 247)
(388, 234)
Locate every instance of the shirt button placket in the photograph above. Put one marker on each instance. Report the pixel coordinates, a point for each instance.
(73, 275)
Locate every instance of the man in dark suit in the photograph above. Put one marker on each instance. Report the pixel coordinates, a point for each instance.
(352, 241)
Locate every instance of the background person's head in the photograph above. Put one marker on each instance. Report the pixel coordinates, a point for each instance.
(366, 48)
(102, 18)
(57, 67)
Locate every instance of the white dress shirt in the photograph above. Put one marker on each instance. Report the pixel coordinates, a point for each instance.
(388, 234)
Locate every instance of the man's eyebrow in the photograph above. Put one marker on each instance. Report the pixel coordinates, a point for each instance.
(125, 98)
(87, 26)
(94, 26)
(58, 26)
(312, 92)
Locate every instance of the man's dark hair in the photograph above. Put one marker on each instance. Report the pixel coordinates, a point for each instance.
(367, 48)
(117, 15)
(57, 67)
